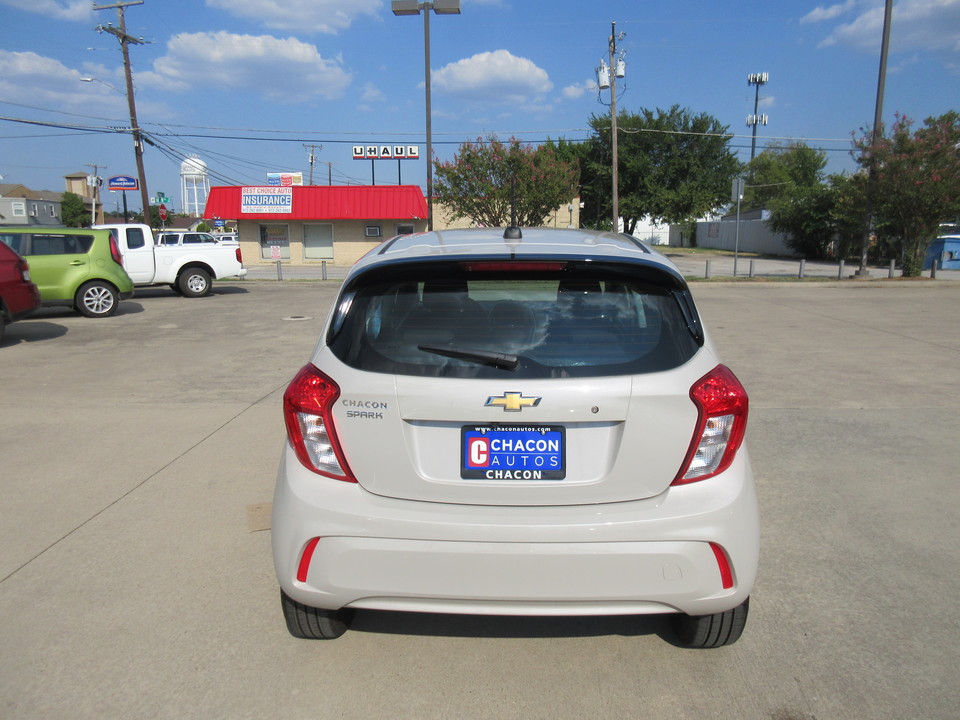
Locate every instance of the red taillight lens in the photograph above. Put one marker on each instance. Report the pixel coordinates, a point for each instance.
(307, 411)
(115, 251)
(239, 256)
(24, 269)
(721, 422)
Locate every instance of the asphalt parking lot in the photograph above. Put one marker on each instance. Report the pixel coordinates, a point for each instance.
(138, 456)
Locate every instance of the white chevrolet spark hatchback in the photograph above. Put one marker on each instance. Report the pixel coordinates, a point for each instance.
(516, 422)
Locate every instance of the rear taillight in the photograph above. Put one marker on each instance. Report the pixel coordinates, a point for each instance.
(115, 251)
(239, 256)
(308, 413)
(24, 269)
(721, 422)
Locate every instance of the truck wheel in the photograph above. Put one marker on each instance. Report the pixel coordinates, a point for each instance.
(96, 299)
(311, 623)
(194, 282)
(711, 631)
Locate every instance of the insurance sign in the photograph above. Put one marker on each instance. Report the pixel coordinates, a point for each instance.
(266, 199)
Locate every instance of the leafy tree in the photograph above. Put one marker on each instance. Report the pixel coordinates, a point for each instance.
(491, 182)
(780, 169)
(915, 181)
(789, 181)
(674, 166)
(72, 211)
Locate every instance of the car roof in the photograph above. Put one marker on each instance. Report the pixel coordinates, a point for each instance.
(55, 230)
(532, 243)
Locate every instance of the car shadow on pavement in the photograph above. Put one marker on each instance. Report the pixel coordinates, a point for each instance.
(27, 331)
(509, 626)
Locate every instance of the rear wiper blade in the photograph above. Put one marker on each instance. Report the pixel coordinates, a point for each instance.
(487, 357)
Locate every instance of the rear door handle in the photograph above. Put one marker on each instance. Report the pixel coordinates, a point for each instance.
(77, 262)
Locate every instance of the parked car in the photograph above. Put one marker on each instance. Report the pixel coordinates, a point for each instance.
(80, 268)
(185, 238)
(19, 295)
(516, 422)
(187, 267)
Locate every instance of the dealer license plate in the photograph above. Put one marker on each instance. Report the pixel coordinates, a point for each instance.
(513, 452)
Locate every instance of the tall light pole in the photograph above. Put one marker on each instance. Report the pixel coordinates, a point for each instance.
(607, 78)
(868, 230)
(758, 79)
(125, 40)
(414, 7)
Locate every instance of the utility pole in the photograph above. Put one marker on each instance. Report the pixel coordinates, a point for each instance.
(125, 41)
(313, 158)
(329, 165)
(96, 192)
(607, 78)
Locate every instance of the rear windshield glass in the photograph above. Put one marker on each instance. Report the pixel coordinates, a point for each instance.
(512, 324)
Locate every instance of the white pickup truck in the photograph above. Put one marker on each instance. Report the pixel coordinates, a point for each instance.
(188, 268)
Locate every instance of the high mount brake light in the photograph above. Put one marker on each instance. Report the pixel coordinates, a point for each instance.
(308, 413)
(722, 407)
(513, 265)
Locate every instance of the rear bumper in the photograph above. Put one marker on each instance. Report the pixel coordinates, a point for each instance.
(649, 556)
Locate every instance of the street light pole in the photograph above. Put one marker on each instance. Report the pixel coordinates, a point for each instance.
(125, 41)
(414, 7)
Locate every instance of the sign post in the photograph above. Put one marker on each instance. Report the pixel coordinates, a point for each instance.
(122, 183)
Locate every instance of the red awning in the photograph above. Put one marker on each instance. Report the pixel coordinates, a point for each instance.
(321, 202)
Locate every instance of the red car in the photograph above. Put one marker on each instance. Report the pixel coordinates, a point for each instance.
(19, 296)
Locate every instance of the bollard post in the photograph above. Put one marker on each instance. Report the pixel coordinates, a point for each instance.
(893, 264)
(840, 273)
(323, 270)
(753, 267)
(933, 270)
(707, 275)
(803, 268)
(279, 271)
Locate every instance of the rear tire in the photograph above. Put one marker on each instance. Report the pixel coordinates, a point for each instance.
(96, 299)
(711, 631)
(310, 623)
(194, 282)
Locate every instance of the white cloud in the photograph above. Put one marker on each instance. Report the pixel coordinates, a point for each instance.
(70, 10)
(327, 16)
(916, 25)
(578, 90)
(282, 70)
(494, 77)
(821, 13)
(29, 78)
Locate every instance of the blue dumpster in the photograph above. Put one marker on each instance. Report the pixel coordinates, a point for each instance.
(946, 251)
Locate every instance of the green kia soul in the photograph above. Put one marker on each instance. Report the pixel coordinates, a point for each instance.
(76, 267)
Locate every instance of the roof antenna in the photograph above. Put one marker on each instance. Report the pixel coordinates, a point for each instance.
(513, 232)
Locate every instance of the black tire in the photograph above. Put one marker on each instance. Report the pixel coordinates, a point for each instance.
(311, 623)
(96, 299)
(194, 282)
(3, 327)
(711, 631)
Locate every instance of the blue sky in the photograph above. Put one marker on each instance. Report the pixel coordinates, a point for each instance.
(246, 84)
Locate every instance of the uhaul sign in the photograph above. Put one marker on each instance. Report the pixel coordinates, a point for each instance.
(386, 152)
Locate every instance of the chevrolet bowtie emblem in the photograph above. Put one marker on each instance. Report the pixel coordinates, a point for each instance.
(512, 401)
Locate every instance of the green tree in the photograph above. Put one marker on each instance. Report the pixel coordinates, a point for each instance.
(781, 169)
(490, 182)
(72, 211)
(674, 166)
(915, 181)
(789, 181)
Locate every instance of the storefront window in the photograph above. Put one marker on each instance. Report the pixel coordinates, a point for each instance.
(274, 242)
(318, 242)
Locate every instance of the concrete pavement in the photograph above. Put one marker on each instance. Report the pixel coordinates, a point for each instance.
(137, 453)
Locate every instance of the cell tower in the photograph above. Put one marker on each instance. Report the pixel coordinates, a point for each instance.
(194, 186)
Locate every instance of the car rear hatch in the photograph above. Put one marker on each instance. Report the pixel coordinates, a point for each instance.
(549, 383)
